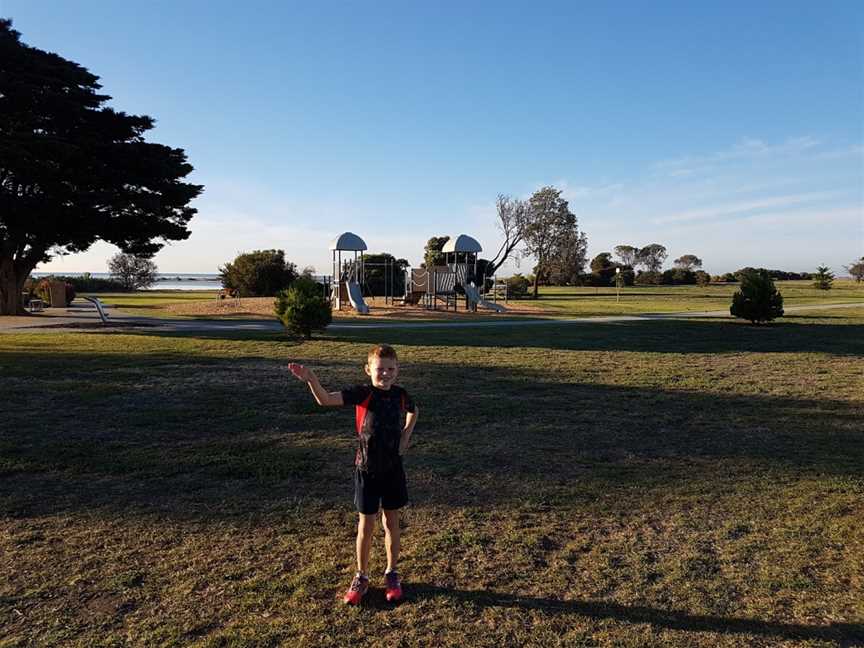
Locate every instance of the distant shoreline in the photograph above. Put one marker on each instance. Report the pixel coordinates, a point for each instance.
(162, 276)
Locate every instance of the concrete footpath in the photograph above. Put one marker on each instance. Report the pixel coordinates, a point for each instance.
(82, 316)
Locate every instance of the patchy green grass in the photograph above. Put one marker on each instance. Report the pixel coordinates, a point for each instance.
(151, 303)
(654, 483)
(582, 302)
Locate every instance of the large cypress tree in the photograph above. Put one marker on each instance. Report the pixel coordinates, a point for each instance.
(74, 171)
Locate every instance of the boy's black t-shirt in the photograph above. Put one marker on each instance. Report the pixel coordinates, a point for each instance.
(379, 425)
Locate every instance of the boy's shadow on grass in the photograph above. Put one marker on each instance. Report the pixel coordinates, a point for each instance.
(847, 634)
(206, 437)
(693, 335)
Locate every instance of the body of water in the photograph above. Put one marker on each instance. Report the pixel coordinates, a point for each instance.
(166, 281)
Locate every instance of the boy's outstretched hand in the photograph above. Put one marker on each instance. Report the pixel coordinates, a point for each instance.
(300, 372)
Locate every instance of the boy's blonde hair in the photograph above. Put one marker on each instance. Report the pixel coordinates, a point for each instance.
(382, 351)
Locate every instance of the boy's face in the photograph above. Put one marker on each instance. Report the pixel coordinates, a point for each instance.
(382, 371)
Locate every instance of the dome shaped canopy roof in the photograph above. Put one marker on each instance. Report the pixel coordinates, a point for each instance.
(462, 243)
(348, 241)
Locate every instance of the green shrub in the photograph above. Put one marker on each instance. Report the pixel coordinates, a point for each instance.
(379, 281)
(758, 299)
(678, 277)
(703, 278)
(683, 277)
(648, 278)
(303, 308)
(628, 277)
(86, 283)
(823, 279)
(262, 273)
(517, 286)
(603, 270)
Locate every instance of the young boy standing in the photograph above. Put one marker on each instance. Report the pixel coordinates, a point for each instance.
(379, 477)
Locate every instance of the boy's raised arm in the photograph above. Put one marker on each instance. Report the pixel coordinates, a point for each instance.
(322, 396)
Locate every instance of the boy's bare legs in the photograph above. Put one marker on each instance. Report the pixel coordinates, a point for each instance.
(365, 530)
(391, 537)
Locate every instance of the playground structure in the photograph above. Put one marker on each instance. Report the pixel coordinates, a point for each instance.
(348, 277)
(438, 286)
(445, 285)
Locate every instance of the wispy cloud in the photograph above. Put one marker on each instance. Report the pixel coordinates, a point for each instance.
(841, 216)
(745, 148)
(850, 151)
(744, 207)
(799, 191)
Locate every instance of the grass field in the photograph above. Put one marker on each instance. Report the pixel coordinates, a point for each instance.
(556, 302)
(570, 302)
(151, 303)
(651, 483)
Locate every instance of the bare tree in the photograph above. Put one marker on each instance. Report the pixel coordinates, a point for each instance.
(512, 218)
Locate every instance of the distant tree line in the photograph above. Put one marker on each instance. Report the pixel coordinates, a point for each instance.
(378, 268)
(776, 275)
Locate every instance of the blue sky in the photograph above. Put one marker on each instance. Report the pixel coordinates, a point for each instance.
(732, 131)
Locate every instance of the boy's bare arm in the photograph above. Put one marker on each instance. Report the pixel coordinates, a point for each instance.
(322, 396)
(408, 430)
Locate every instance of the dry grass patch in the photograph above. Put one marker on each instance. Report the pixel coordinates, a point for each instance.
(645, 484)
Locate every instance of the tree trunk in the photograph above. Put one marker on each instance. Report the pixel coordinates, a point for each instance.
(536, 279)
(11, 284)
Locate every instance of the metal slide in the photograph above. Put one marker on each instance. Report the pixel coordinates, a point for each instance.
(475, 298)
(355, 296)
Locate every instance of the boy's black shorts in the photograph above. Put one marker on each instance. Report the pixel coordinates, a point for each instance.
(387, 490)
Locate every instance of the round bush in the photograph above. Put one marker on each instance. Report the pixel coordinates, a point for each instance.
(648, 278)
(758, 299)
(262, 273)
(517, 286)
(303, 308)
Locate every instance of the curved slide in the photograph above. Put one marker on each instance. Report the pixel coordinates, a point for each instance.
(355, 296)
(475, 298)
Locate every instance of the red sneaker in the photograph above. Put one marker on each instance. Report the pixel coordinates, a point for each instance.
(394, 586)
(359, 586)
